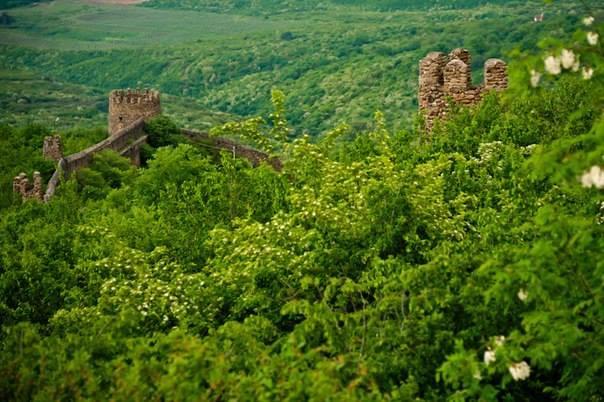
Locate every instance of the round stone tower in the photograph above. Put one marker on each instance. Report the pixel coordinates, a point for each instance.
(127, 106)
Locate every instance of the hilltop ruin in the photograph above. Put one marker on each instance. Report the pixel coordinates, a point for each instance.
(127, 106)
(444, 78)
(128, 112)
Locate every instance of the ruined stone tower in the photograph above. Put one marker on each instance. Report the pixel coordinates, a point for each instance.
(53, 148)
(127, 106)
(443, 77)
(28, 191)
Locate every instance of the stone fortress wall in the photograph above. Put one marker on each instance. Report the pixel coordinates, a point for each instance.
(444, 78)
(127, 113)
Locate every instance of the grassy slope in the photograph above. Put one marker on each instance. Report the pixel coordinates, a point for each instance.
(342, 63)
(74, 25)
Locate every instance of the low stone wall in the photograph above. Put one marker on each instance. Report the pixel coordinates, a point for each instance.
(117, 142)
(241, 151)
(54, 182)
(127, 142)
(121, 142)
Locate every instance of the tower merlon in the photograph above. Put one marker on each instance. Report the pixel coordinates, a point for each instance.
(495, 74)
(457, 77)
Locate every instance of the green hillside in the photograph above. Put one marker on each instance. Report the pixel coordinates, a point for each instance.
(334, 65)
(378, 261)
(285, 6)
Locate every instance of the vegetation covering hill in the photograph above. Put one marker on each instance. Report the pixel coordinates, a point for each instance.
(338, 64)
(379, 264)
(4, 4)
(282, 6)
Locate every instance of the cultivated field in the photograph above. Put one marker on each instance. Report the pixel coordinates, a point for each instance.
(90, 25)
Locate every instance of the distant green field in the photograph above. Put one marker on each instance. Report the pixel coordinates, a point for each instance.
(27, 97)
(77, 25)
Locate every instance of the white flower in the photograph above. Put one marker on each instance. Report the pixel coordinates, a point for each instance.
(489, 357)
(499, 340)
(592, 38)
(587, 72)
(520, 371)
(552, 65)
(587, 21)
(593, 177)
(535, 78)
(576, 66)
(523, 295)
(567, 58)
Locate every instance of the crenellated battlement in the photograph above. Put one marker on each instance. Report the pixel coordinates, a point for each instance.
(52, 148)
(129, 105)
(135, 96)
(443, 77)
(27, 190)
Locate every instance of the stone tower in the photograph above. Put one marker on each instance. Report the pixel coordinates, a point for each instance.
(127, 106)
(443, 77)
(53, 148)
(28, 191)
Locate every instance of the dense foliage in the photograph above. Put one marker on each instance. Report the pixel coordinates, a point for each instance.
(18, 3)
(379, 264)
(281, 6)
(376, 266)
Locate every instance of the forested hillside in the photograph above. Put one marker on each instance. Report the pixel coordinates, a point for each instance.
(280, 6)
(17, 3)
(374, 269)
(380, 264)
(335, 65)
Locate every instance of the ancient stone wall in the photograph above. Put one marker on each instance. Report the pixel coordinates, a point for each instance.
(127, 113)
(254, 156)
(127, 106)
(444, 78)
(119, 142)
(126, 141)
(53, 148)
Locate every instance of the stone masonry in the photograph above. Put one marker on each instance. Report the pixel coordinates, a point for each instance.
(28, 191)
(52, 148)
(127, 106)
(444, 78)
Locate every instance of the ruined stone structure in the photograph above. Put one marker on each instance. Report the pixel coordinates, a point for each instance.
(127, 113)
(22, 186)
(126, 142)
(444, 78)
(127, 106)
(53, 148)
